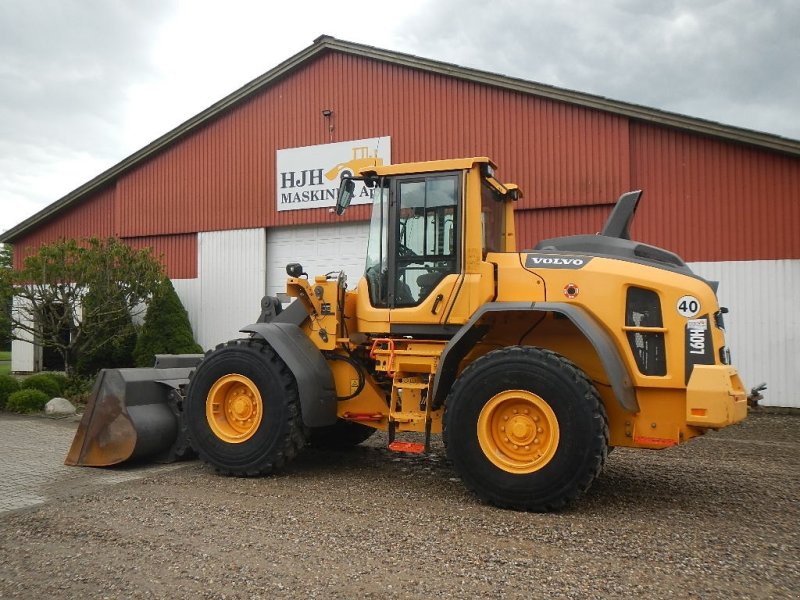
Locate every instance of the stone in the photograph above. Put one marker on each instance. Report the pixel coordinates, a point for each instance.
(59, 406)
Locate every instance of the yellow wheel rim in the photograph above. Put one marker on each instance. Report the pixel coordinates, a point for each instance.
(518, 431)
(234, 408)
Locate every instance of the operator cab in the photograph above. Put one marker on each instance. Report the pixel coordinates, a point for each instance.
(417, 224)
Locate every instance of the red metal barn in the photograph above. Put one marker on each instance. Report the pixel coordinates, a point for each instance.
(221, 196)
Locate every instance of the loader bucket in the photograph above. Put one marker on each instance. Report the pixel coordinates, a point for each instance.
(132, 414)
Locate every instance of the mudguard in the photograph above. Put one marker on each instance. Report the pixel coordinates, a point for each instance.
(471, 332)
(315, 383)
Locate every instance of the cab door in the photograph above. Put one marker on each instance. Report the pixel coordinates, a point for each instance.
(425, 266)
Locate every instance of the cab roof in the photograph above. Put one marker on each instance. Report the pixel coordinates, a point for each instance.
(432, 166)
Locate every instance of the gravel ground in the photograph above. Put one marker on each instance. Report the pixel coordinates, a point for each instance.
(718, 517)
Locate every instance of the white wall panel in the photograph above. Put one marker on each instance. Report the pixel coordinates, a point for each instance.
(319, 248)
(763, 327)
(231, 281)
(25, 357)
(188, 291)
(22, 356)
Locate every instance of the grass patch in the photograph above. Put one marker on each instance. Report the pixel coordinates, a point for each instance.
(5, 363)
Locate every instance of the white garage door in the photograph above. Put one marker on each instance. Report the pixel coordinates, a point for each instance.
(319, 248)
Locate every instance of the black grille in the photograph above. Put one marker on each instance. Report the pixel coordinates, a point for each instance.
(643, 311)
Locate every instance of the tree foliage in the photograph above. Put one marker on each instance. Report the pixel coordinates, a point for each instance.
(119, 331)
(166, 328)
(84, 288)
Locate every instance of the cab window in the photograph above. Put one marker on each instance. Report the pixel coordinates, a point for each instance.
(426, 232)
(492, 220)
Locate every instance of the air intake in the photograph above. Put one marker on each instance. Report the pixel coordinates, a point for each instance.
(645, 331)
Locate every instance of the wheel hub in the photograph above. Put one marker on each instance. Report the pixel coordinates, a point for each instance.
(234, 408)
(518, 431)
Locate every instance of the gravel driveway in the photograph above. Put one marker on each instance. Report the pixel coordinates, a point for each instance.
(718, 517)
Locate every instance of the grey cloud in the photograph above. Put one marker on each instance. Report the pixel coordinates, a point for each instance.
(733, 61)
(64, 66)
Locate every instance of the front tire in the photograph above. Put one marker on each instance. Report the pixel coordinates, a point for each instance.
(525, 429)
(242, 410)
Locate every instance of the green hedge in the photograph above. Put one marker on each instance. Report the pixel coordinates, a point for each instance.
(60, 379)
(8, 385)
(29, 400)
(42, 382)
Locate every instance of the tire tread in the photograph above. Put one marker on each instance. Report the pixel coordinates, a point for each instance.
(589, 395)
(294, 439)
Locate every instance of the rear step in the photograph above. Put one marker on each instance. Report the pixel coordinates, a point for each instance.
(410, 447)
(417, 408)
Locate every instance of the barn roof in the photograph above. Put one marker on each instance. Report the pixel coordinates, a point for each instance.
(326, 44)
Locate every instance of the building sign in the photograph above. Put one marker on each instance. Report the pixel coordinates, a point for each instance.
(309, 177)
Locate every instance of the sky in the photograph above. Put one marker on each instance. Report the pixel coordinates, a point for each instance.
(86, 83)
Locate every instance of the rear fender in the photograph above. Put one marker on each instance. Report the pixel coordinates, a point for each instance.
(473, 331)
(315, 383)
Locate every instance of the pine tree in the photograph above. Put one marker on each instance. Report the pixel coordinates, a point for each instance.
(166, 328)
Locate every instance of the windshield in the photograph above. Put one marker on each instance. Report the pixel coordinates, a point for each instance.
(377, 262)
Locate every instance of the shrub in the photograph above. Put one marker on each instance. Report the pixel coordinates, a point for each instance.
(29, 400)
(166, 328)
(8, 385)
(77, 389)
(60, 379)
(42, 382)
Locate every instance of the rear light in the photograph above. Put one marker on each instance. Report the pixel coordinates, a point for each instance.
(719, 320)
(645, 331)
(725, 355)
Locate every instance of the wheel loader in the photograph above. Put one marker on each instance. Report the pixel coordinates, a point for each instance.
(531, 364)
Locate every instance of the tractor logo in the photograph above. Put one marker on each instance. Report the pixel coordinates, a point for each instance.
(361, 158)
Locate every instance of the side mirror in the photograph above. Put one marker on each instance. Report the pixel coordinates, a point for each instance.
(346, 188)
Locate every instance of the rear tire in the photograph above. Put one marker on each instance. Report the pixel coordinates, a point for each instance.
(242, 410)
(525, 429)
(340, 435)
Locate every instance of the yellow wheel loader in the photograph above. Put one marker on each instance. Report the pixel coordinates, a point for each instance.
(531, 364)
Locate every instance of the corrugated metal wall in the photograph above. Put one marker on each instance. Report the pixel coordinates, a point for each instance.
(177, 252)
(223, 177)
(232, 271)
(93, 217)
(763, 327)
(704, 198)
(709, 200)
